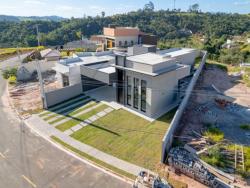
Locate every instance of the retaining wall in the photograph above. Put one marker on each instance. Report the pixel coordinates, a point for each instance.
(168, 138)
(60, 95)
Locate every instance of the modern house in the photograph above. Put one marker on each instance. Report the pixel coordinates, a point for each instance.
(122, 37)
(143, 80)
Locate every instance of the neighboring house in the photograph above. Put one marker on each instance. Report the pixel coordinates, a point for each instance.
(50, 55)
(84, 43)
(144, 80)
(120, 38)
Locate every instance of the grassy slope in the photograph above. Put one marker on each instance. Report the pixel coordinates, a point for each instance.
(127, 136)
(79, 119)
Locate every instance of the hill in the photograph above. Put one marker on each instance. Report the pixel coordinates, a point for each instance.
(30, 18)
(167, 25)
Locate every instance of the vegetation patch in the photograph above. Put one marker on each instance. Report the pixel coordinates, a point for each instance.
(221, 66)
(9, 73)
(214, 134)
(127, 136)
(245, 127)
(215, 157)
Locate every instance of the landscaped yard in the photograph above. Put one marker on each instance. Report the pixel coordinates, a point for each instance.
(76, 120)
(127, 136)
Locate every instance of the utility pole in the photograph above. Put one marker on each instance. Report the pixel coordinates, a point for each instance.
(174, 4)
(18, 54)
(42, 91)
(38, 37)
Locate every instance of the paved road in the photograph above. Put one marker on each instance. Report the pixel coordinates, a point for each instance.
(28, 161)
(12, 62)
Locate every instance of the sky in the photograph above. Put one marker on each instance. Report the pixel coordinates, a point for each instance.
(79, 8)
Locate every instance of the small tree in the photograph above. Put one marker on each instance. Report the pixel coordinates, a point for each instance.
(149, 6)
(103, 14)
(194, 8)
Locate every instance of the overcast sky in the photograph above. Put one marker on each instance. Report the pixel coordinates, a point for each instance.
(79, 8)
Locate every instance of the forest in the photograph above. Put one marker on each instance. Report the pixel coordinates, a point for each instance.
(170, 26)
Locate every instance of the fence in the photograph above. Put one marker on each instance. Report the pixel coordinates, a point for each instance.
(168, 138)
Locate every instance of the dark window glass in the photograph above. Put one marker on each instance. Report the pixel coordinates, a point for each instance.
(129, 87)
(136, 93)
(143, 95)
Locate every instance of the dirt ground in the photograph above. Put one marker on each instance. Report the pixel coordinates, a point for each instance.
(25, 96)
(204, 110)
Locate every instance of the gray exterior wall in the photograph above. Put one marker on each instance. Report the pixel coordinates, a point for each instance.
(60, 95)
(161, 92)
(164, 93)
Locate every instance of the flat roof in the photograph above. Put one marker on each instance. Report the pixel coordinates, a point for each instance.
(87, 60)
(176, 51)
(149, 58)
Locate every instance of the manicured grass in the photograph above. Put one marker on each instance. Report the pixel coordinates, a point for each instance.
(245, 127)
(127, 136)
(79, 108)
(67, 125)
(96, 161)
(82, 108)
(214, 134)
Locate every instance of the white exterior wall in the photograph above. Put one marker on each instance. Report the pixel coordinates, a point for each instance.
(45, 66)
(74, 75)
(126, 38)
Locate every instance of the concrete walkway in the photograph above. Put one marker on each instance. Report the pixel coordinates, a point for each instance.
(46, 130)
(76, 115)
(88, 121)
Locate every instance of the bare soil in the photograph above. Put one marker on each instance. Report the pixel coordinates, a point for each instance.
(25, 96)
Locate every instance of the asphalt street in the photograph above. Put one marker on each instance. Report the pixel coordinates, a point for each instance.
(29, 161)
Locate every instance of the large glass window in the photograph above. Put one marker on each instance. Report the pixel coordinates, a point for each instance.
(129, 87)
(143, 95)
(136, 93)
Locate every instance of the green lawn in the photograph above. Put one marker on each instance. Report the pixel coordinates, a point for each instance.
(127, 136)
(67, 125)
(73, 112)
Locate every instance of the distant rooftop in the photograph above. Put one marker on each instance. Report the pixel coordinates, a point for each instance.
(173, 52)
(149, 58)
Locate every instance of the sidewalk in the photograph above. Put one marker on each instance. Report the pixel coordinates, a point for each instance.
(46, 130)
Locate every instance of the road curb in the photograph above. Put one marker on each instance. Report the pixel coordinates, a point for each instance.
(73, 154)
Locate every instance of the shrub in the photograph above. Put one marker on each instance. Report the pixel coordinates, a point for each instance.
(12, 80)
(245, 127)
(214, 157)
(214, 134)
(9, 72)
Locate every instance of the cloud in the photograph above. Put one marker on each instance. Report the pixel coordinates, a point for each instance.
(247, 2)
(34, 2)
(67, 8)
